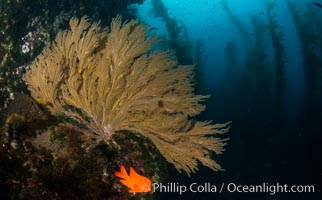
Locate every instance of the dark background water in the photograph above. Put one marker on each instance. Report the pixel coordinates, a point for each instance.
(267, 145)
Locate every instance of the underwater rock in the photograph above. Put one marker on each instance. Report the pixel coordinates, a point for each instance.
(46, 158)
(62, 166)
(27, 107)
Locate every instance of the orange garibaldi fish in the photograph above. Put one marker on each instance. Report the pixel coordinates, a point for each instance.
(134, 181)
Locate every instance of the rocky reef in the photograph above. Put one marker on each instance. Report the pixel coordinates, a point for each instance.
(44, 158)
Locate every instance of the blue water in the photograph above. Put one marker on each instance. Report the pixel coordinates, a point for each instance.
(263, 148)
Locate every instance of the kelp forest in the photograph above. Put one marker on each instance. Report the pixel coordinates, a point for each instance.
(87, 87)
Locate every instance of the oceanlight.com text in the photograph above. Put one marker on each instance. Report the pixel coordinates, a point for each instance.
(272, 189)
(208, 187)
